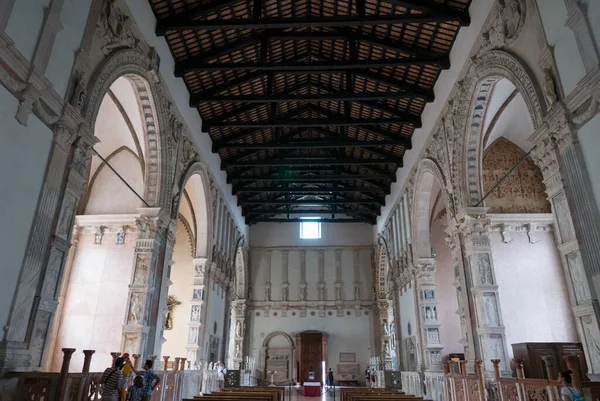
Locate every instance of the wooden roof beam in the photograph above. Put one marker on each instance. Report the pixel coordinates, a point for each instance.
(282, 98)
(317, 144)
(430, 6)
(311, 122)
(181, 22)
(305, 161)
(312, 191)
(311, 179)
(322, 67)
(308, 202)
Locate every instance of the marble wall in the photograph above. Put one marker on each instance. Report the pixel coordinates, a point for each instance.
(23, 157)
(532, 274)
(95, 302)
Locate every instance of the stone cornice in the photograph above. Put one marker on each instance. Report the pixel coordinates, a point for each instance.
(106, 220)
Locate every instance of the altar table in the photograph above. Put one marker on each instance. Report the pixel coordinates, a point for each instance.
(312, 389)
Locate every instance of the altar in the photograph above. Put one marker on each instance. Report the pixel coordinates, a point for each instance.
(312, 389)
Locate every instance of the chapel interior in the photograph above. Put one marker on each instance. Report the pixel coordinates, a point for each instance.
(408, 187)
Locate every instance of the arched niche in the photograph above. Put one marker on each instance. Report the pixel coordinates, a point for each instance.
(278, 349)
(429, 180)
(483, 75)
(196, 192)
(134, 66)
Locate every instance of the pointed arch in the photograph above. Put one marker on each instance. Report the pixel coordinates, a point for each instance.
(137, 68)
(196, 182)
(428, 172)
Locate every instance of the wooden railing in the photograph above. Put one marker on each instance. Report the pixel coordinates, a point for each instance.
(175, 385)
(464, 387)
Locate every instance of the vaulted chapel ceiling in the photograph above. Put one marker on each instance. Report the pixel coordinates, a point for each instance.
(310, 104)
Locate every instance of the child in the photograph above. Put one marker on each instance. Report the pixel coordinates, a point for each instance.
(134, 393)
(127, 372)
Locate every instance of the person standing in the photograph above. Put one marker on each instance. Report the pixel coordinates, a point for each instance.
(150, 379)
(127, 372)
(368, 377)
(568, 391)
(330, 378)
(222, 371)
(111, 379)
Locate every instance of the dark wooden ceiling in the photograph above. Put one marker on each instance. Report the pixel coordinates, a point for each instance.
(310, 104)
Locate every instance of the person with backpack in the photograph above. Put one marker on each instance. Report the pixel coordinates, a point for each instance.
(111, 379)
(568, 392)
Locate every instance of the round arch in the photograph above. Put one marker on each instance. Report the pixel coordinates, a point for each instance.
(197, 176)
(428, 173)
(279, 333)
(489, 69)
(136, 68)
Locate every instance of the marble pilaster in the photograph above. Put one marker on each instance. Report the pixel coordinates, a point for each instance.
(196, 329)
(490, 333)
(577, 21)
(428, 316)
(238, 321)
(145, 287)
(558, 155)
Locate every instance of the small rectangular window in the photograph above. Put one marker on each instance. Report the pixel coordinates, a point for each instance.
(310, 229)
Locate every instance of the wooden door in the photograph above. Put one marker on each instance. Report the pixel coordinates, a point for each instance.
(312, 356)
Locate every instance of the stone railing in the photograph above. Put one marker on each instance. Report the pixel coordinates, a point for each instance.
(412, 383)
(434, 386)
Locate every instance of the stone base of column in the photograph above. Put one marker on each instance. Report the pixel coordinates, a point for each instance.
(15, 357)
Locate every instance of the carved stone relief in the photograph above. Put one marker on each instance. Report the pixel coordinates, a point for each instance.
(115, 29)
(489, 309)
(563, 216)
(578, 279)
(521, 192)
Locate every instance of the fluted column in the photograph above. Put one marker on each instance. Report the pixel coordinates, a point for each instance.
(558, 155)
(36, 295)
(577, 20)
(489, 328)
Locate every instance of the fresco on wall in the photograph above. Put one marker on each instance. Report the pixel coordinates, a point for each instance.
(521, 192)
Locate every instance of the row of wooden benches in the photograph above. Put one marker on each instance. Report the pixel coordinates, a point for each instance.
(278, 394)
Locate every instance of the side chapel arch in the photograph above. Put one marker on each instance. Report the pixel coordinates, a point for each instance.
(197, 175)
(137, 68)
(427, 173)
(279, 353)
(489, 69)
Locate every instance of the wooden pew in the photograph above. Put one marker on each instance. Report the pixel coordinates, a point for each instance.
(280, 391)
(236, 396)
(354, 394)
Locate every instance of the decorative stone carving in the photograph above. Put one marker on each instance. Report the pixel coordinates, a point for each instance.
(115, 29)
(578, 279)
(549, 88)
(513, 16)
(135, 308)
(120, 237)
(141, 269)
(98, 234)
(484, 269)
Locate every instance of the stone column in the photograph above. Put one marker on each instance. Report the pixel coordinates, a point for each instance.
(145, 286)
(428, 316)
(238, 321)
(87, 360)
(38, 288)
(64, 373)
(398, 326)
(195, 349)
(489, 329)
(558, 155)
